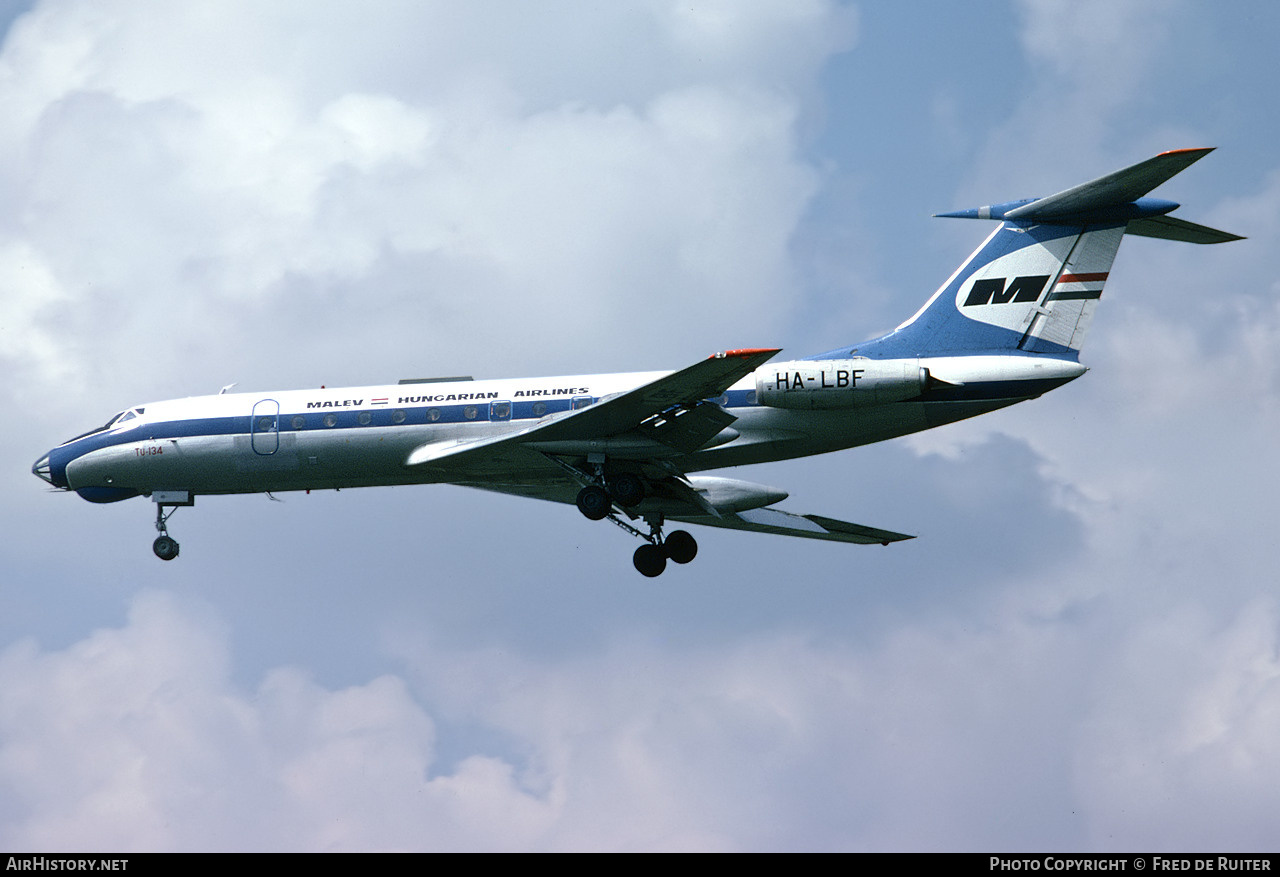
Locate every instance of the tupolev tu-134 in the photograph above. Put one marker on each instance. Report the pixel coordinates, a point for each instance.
(1006, 327)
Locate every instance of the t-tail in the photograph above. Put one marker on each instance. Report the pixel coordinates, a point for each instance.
(1032, 286)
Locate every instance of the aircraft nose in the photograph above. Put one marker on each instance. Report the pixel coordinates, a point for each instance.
(42, 470)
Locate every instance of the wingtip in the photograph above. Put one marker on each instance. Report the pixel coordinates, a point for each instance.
(1203, 150)
(744, 352)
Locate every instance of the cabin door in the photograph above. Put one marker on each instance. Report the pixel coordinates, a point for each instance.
(264, 427)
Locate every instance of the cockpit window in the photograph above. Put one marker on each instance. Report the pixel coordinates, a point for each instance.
(116, 420)
(106, 426)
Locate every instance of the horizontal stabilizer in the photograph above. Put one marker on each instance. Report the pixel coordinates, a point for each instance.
(1115, 189)
(1117, 198)
(1171, 228)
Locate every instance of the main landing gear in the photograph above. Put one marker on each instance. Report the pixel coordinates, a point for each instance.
(651, 558)
(596, 501)
(626, 490)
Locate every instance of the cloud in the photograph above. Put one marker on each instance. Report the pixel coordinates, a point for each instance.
(1180, 743)
(181, 179)
(1085, 67)
(134, 739)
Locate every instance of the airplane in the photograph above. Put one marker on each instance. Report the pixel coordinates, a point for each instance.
(1005, 327)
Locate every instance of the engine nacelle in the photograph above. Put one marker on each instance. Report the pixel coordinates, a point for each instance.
(839, 383)
(732, 495)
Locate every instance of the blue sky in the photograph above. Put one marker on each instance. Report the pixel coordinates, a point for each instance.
(1079, 652)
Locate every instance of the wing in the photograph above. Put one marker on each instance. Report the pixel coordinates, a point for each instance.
(666, 417)
(669, 413)
(714, 501)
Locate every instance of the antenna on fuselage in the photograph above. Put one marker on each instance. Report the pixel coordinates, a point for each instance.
(224, 389)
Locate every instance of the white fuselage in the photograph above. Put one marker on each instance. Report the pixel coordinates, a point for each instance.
(364, 436)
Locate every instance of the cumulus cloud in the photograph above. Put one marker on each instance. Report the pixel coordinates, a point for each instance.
(179, 177)
(134, 738)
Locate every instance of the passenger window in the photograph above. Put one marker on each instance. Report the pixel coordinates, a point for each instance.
(266, 424)
(365, 418)
(331, 420)
(539, 409)
(299, 421)
(469, 412)
(581, 402)
(397, 416)
(433, 414)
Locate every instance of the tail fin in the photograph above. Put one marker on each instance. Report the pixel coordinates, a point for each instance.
(1034, 283)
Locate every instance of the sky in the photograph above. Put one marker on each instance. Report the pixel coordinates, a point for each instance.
(1080, 652)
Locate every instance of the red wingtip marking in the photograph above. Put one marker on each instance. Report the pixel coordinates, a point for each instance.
(744, 351)
(1192, 149)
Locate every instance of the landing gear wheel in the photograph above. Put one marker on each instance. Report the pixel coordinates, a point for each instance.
(165, 547)
(650, 560)
(680, 546)
(594, 502)
(627, 489)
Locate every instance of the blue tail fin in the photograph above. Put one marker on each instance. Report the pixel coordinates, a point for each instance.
(1034, 283)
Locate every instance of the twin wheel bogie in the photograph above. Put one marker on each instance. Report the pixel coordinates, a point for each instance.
(596, 501)
(651, 558)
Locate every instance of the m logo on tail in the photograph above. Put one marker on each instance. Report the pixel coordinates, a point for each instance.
(991, 290)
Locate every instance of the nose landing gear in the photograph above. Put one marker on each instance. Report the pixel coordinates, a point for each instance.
(165, 546)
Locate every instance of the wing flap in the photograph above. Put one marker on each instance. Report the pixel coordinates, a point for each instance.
(778, 522)
(687, 427)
